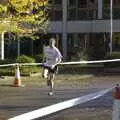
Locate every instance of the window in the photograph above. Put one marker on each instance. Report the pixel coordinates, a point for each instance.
(82, 14)
(72, 14)
(116, 9)
(55, 12)
(72, 2)
(58, 1)
(106, 9)
(82, 9)
(76, 46)
(82, 3)
(58, 15)
(106, 1)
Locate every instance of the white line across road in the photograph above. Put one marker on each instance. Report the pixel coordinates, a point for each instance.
(60, 106)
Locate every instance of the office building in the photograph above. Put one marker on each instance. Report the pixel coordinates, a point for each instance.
(84, 25)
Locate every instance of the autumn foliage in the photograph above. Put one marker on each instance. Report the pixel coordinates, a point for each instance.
(23, 16)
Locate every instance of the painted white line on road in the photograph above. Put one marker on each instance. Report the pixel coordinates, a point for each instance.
(60, 106)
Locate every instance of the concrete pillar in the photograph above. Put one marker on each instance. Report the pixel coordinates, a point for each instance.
(100, 9)
(18, 45)
(57, 40)
(2, 46)
(64, 29)
(111, 26)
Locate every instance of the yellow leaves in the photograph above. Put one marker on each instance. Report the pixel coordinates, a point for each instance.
(3, 8)
(43, 2)
(21, 5)
(27, 6)
(5, 25)
(28, 19)
(23, 15)
(40, 14)
(19, 2)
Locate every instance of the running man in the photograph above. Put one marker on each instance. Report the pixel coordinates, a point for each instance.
(52, 57)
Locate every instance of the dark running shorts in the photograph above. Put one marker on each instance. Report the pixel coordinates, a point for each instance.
(54, 70)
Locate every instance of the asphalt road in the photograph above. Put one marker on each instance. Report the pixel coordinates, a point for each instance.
(18, 100)
(15, 101)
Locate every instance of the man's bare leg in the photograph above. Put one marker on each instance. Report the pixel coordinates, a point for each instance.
(48, 79)
(45, 73)
(51, 83)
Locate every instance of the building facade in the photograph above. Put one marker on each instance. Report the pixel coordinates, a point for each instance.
(84, 24)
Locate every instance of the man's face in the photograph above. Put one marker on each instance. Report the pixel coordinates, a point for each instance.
(52, 42)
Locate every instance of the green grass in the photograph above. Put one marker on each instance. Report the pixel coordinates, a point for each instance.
(68, 69)
(24, 70)
(60, 79)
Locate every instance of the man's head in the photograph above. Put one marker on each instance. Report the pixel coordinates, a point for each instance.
(52, 42)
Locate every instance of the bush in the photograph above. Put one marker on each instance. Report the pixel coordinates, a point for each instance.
(81, 69)
(7, 70)
(25, 59)
(114, 55)
(6, 61)
(24, 70)
(39, 58)
(27, 70)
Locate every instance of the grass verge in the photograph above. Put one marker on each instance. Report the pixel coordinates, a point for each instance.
(60, 79)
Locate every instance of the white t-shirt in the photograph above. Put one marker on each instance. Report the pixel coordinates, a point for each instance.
(52, 56)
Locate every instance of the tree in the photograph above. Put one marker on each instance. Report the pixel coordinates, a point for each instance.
(23, 17)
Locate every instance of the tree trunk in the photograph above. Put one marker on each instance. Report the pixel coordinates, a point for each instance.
(18, 46)
(2, 46)
(32, 47)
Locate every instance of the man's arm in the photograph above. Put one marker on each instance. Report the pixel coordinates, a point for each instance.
(59, 60)
(59, 57)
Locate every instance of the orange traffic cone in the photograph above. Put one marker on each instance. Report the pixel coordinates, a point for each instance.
(116, 105)
(17, 81)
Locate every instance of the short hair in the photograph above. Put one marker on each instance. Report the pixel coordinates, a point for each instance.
(52, 39)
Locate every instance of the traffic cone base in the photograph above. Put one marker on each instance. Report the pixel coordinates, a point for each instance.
(17, 81)
(116, 105)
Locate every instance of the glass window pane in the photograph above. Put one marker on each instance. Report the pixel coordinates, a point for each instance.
(58, 1)
(116, 13)
(58, 15)
(82, 14)
(72, 14)
(82, 3)
(72, 2)
(106, 1)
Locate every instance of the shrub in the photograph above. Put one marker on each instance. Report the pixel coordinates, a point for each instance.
(6, 61)
(24, 70)
(114, 55)
(24, 59)
(27, 70)
(39, 58)
(7, 71)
